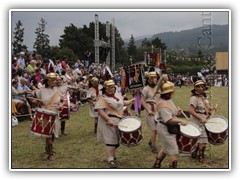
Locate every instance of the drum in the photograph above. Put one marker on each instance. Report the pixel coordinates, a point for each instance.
(65, 112)
(43, 123)
(217, 130)
(130, 131)
(188, 137)
(14, 121)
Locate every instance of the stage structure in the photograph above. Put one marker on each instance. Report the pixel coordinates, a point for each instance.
(113, 44)
(110, 31)
(108, 39)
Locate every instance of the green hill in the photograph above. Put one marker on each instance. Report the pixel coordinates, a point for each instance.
(218, 39)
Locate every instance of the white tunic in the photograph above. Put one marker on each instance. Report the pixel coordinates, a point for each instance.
(106, 133)
(46, 95)
(168, 141)
(92, 96)
(199, 108)
(148, 93)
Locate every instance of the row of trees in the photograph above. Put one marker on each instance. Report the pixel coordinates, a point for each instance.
(73, 43)
(41, 44)
(77, 40)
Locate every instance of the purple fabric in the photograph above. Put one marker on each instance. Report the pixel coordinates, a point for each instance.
(137, 102)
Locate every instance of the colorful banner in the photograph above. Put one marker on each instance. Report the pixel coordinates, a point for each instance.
(152, 59)
(135, 76)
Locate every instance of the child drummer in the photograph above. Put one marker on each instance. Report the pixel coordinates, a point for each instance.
(199, 110)
(110, 110)
(50, 98)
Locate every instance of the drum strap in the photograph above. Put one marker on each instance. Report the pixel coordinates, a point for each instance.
(166, 105)
(204, 104)
(152, 93)
(53, 100)
(152, 105)
(95, 91)
(111, 109)
(172, 129)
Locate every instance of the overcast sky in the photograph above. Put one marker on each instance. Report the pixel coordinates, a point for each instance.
(138, 23)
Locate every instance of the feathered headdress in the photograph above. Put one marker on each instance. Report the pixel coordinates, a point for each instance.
(162, 80)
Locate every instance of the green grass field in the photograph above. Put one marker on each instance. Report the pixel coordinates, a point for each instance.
(80, 150)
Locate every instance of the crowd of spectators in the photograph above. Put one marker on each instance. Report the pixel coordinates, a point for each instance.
(29, 71)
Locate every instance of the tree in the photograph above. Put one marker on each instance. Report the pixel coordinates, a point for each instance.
(80, 40)
(200, 54)
(158, 44)
(146, 42)
(132, 49)
(17, 43)
(70, 38)
(59, 53)
(76, 39)
(121, 56)
(42, 41)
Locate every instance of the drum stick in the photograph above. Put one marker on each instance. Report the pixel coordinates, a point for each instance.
(122, 125)
(34, 98)
(183, 113)
(214, 110)
(22, 115)
(211, 122)
(118, 125)
(151, 101)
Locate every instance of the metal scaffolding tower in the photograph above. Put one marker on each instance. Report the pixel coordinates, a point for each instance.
(113, 44)
(109, 44)
(96, 41)
(108, 41)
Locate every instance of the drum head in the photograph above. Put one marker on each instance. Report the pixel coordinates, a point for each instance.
(129, 124)
(216, 124)
(190, 130)
(45, 111)
(14, 121)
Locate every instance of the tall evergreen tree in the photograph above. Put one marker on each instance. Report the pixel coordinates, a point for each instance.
(42, 41)
(17, 43)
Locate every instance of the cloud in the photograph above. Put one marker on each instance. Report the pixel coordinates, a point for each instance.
(138, 23)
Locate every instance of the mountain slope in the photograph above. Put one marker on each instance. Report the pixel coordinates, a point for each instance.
(189, 40)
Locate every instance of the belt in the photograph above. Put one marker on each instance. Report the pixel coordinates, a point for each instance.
(202, 113)
(162, 123)
(152, 106)
(114, 116)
